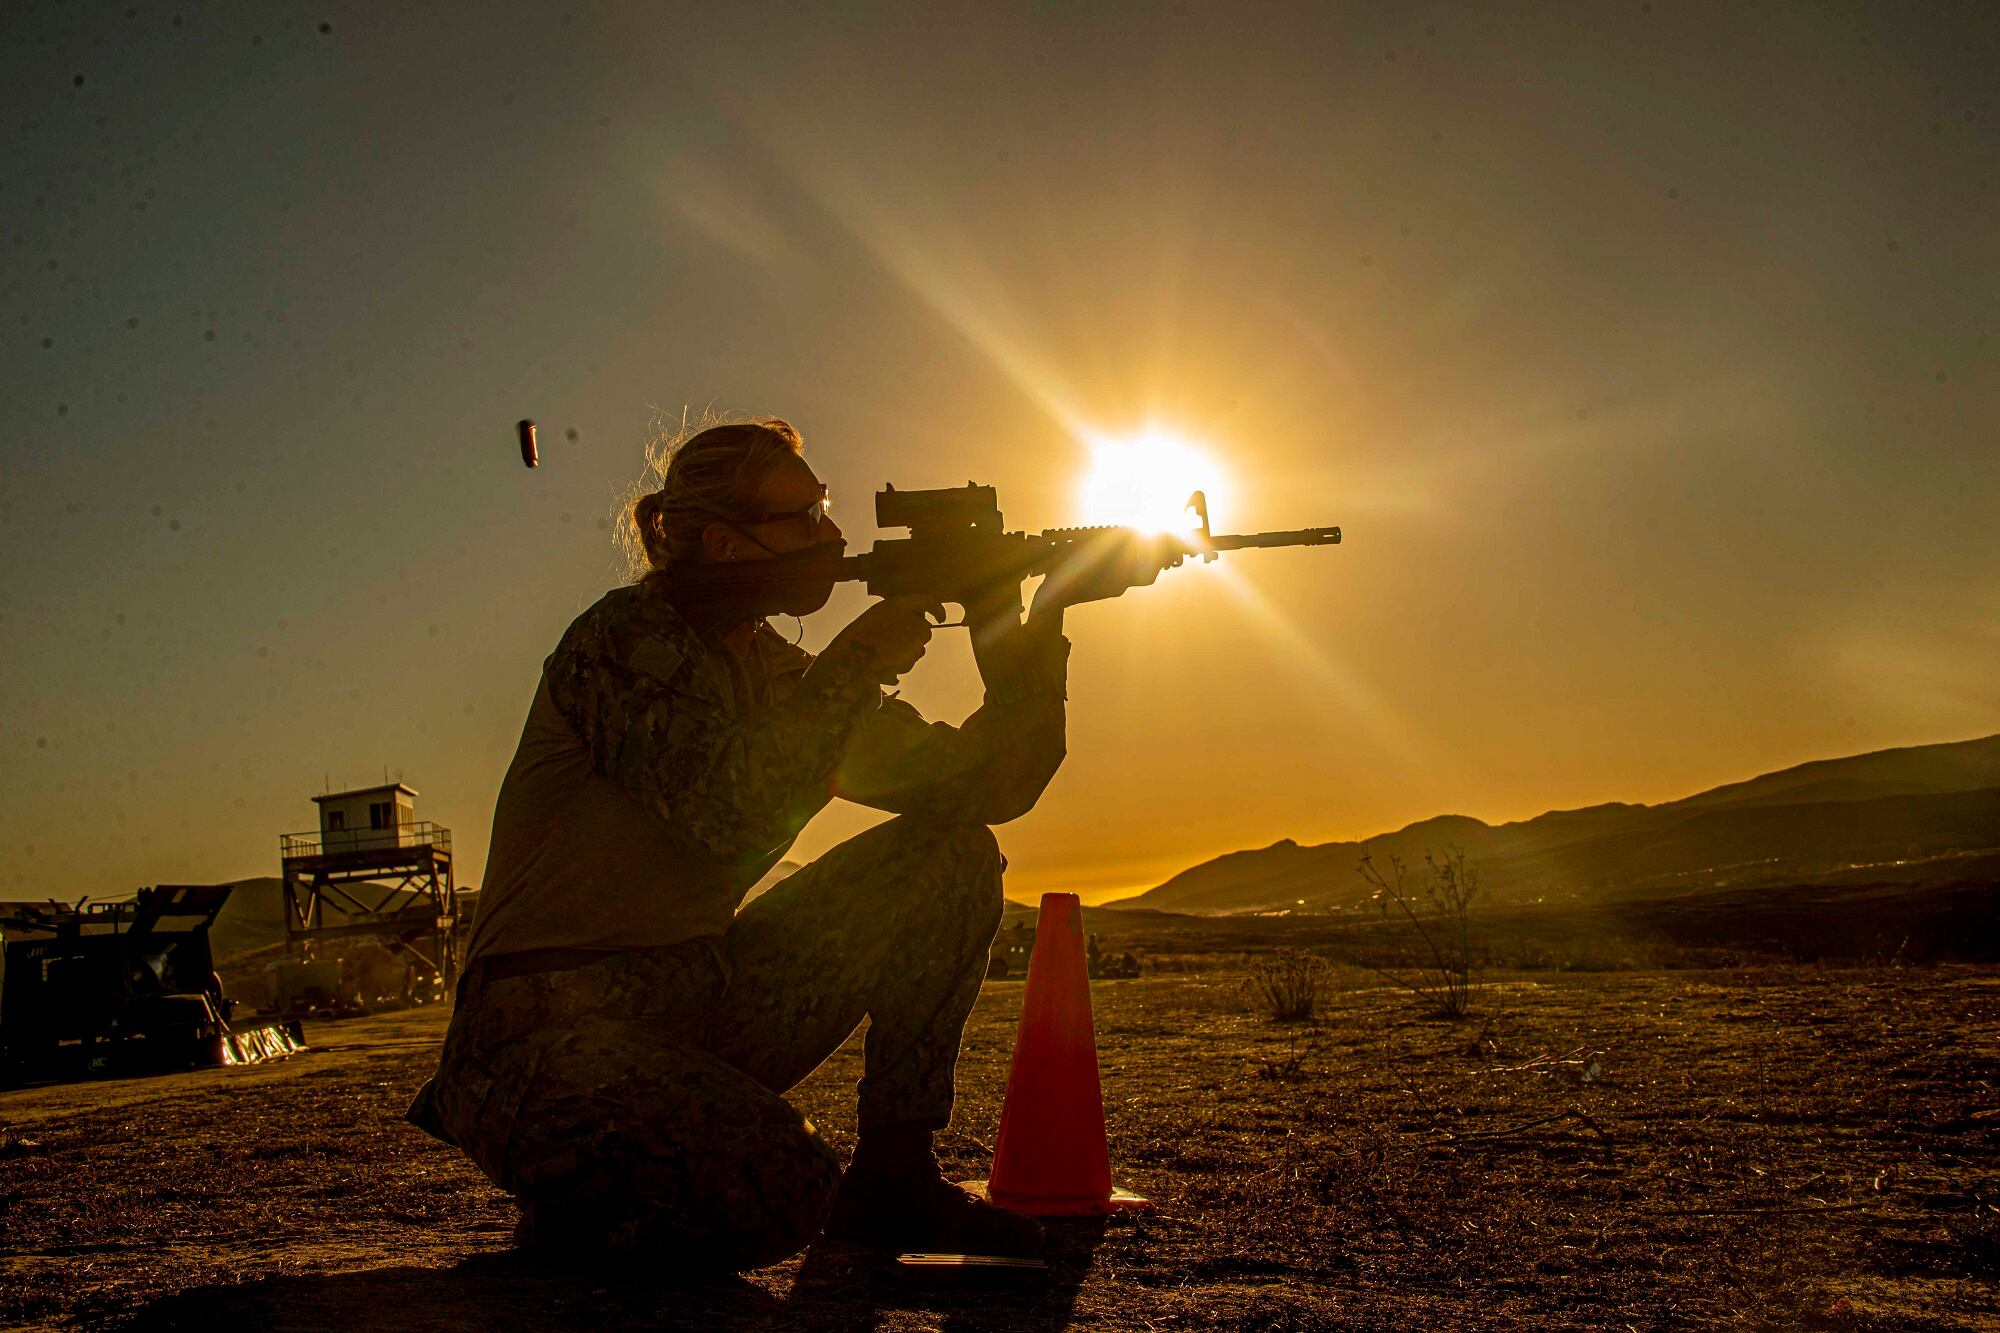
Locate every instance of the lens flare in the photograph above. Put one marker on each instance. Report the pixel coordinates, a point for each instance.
(1144, 480)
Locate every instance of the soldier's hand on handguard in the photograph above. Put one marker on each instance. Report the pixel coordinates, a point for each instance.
(1108, 565)
(895, 630)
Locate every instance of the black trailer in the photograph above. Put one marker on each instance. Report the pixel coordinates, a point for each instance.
(120, 987)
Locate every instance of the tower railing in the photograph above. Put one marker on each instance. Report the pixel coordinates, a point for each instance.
(294, 846)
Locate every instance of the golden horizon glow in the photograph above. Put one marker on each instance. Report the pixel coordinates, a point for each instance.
(1589, 557)
(1144, 481)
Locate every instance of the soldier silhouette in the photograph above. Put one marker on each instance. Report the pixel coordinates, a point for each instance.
(624, 1035)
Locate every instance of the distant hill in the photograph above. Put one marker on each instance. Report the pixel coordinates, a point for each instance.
(1816, 821)
(253, 918)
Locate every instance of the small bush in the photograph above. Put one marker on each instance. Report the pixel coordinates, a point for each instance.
(1441, 914)
(1289, 984)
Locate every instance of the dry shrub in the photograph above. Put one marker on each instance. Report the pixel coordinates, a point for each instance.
(1289, 984)
(1440, 912)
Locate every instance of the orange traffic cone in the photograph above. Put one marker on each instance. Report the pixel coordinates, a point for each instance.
(1051, 1159)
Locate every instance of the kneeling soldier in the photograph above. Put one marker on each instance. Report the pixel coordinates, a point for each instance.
(623, 1035)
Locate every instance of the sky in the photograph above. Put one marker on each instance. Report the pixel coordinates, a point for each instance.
(1645, 352)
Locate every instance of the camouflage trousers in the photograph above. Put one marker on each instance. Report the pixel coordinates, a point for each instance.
(636, 1102)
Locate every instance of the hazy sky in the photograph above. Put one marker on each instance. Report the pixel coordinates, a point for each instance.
(1646, 352)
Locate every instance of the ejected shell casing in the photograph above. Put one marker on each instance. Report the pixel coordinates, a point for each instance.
(525, 428)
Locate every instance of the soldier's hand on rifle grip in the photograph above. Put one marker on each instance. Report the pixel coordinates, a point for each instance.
(895, 630)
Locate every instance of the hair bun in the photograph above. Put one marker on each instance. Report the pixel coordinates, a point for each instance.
(713, 471)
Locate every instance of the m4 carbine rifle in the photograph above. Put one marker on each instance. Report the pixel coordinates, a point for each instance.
(958, 551)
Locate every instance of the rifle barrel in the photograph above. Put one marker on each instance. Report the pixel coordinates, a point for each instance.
(1246, 540)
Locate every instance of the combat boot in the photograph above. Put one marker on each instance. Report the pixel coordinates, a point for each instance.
(895, 1197)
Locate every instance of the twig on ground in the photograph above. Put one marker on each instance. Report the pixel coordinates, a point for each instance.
(1588, 1069)
(1540, 1062)
(1573, 1113)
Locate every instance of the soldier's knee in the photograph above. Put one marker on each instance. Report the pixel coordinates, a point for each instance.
(973, 855)
(964, 848)
(974, 847)
(953, 865)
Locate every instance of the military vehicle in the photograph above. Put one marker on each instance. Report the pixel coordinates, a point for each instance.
(118, 987)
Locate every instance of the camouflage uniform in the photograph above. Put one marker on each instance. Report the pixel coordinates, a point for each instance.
(635, 1100)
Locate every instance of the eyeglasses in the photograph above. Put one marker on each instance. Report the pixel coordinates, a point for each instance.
(812, 514)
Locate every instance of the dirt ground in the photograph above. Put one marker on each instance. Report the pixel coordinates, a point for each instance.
(1783, 1147)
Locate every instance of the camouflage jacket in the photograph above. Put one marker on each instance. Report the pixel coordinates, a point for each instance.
(736, 756)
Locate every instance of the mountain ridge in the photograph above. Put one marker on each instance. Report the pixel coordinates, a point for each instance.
(1824, 816)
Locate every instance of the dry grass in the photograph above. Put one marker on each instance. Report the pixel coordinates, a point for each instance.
(1781, 1147)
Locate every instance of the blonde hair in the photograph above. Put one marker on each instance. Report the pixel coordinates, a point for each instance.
(695, 475)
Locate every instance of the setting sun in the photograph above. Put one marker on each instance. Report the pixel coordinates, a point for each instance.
(1144, 481)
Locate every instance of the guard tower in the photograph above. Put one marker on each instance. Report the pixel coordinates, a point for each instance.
(373, 871)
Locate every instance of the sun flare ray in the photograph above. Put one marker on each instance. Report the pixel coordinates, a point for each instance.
(1345, 691)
